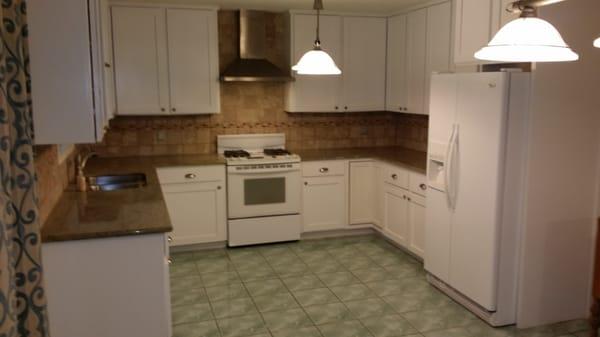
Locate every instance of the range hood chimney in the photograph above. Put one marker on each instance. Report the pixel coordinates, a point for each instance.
(252, 64)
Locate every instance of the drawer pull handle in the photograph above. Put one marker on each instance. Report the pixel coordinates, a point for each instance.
(190, 176)
(324, 170)
(423, 187)
(395, 176)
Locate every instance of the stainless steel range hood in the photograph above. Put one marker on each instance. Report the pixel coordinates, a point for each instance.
(252, 64)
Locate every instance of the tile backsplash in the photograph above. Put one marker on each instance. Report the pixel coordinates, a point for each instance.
(258, 108)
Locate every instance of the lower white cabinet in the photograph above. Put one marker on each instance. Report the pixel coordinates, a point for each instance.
(325, 196)
(108, 287)
(362, 191)
(395, 216)
(416, 220)
(196, 200)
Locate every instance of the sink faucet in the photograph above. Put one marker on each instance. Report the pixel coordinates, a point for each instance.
(81, 163)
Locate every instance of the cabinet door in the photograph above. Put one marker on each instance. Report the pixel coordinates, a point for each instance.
(140, 53)
(62, 88)
(378, 199)
(500, 16)
(396, 64)
(472, 28)
(396, 214)
(193, 61)
(364, 64)
(325, 203)
(197, 211)
(416, 58)
(416, 221)
(315, 93)
(362, 192)
(439, 27)
(107, 60)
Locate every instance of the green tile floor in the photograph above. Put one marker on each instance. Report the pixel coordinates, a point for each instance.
(345, 287)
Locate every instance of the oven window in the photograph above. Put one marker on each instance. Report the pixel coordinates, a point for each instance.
(264, 191)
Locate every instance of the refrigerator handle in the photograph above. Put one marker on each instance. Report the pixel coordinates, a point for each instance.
(447, 166)
(453, 168)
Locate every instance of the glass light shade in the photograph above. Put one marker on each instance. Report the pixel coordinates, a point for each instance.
(528, 39)
(316, 62)
(597, 43)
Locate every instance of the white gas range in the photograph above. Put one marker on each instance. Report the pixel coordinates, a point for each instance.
(263, 189)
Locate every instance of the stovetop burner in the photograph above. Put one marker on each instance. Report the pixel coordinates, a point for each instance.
(236, 154)
(277, 152)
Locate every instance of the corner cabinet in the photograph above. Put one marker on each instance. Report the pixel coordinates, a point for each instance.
(197, 205)
(358, 46)
(419, 44)
(475, 24)
(165, 60)
(69, 81)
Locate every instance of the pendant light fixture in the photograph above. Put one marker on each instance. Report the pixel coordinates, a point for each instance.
(528, 38)
(597, 43)
(317, 61)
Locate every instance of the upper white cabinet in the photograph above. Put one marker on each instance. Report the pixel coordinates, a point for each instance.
(475, 23)
(419, 43)
(396, 98)
(358, 46)
(363, 70)
(67, 81)
(416, 28)
(315, 93)
(439, 43)
(165, 60)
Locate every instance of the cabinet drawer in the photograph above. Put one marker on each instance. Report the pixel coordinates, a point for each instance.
(324, 168)
(190, 174)
(418, 183)
(396, 176)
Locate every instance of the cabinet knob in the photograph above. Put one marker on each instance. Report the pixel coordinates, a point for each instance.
(162, 109)
(305, 183)
(173, 109)
(345, 108)
(404, 197)
(169, 261)
(395, 176)
(409, 199)
(337, 107)
(324, 170)
(169, 239)
(423, 187)
(107, 65)
(190, 176)
(219, 187)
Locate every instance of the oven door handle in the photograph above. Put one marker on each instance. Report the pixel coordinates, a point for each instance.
(261, 171)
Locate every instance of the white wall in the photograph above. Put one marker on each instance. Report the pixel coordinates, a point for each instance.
(562, 174)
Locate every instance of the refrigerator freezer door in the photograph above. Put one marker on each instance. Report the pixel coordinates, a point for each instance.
(437, 235)
(477, 179)
(441, 119)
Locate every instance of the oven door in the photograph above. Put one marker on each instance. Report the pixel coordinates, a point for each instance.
(263, 190)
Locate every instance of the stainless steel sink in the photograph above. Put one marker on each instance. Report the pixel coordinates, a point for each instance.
(116, 182)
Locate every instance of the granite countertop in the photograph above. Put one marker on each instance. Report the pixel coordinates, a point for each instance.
(93, 215)
(410, 159)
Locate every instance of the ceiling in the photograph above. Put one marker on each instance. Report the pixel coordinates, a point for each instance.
(365, 6)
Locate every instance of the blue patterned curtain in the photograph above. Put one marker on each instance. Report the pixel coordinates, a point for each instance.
(22, 299)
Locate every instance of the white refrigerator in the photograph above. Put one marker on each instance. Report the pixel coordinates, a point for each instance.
(476, 161)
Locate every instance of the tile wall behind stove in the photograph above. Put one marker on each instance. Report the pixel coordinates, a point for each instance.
(259, 108)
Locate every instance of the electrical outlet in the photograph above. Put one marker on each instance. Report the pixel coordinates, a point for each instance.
(160, 137)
